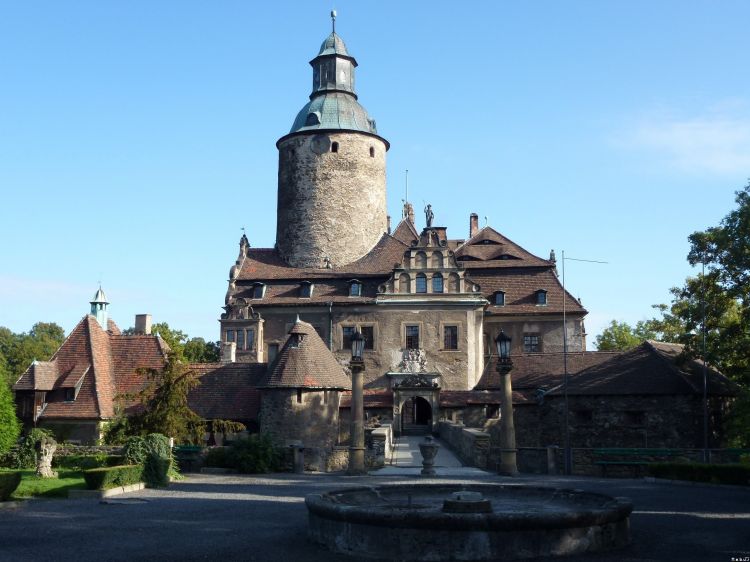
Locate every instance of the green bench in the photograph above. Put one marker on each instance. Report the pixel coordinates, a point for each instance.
(188, 457)
(631, 457)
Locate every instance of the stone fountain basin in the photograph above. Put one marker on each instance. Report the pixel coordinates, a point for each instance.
(407, 522)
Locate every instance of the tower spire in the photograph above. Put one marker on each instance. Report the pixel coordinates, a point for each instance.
(333, 21)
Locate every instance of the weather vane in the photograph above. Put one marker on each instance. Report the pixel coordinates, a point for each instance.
(333, 20)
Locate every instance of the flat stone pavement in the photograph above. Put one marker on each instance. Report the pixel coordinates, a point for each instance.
(406, 460)
(263, 518)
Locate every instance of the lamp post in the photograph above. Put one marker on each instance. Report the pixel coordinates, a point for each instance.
(508, 464)
(357, 448)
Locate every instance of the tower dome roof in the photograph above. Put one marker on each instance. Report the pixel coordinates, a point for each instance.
(100, 297)
(333, 110)
(333, 45)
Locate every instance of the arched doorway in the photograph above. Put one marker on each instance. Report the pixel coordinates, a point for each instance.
(416, 416)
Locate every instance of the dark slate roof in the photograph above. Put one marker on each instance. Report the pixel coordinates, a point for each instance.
(227, 391)
(104, 363)
(644, 370)
(306, 363)
(333, 45)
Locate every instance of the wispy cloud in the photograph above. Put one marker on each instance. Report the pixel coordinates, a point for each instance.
(717, 141)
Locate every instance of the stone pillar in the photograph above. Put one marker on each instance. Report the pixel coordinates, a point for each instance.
(508, 464)
(228, 352)
(357, 449)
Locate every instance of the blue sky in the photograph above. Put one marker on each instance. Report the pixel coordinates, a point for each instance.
(138, 138)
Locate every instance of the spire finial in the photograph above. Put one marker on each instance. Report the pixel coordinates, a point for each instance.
(333, 20)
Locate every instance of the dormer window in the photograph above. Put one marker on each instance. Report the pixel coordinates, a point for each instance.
(541, 297)
(499, 298)
(355, 288)
(305, 290)
(70, 394)
(259, 290)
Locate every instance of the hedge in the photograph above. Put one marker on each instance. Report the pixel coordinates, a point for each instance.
(738, 474)
(113, 476)
(9, 481)
(86, 462)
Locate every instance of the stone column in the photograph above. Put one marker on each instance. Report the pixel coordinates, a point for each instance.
(508, 464)
(357, 448)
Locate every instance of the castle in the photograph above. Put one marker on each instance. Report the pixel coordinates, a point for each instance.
(429, 307)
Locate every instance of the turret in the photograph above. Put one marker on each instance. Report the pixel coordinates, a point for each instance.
(331, 196)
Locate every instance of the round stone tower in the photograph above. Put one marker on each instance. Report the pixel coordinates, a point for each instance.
(331, 197)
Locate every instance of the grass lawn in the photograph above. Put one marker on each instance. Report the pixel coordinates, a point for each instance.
(31, 486)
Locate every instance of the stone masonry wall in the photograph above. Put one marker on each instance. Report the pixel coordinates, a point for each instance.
(314, 421)
(330, 204)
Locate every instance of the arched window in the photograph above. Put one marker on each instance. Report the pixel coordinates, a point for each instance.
(372, 152)
(499, 298)
(437, 260)
(355, 288)
(421, 283)
(259, 289)
(437, 283)
(334, 147)
(305, 290)
(454, 283)
(541, 297)
(404, 283)
(420, 260)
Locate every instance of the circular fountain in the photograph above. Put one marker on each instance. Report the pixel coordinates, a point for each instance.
(466, 522)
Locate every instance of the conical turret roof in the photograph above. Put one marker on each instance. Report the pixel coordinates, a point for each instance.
(306, 362)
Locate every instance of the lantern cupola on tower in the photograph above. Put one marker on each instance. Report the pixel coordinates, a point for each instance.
(99, 308)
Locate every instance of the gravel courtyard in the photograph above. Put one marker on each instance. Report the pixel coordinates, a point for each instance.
(263, 518)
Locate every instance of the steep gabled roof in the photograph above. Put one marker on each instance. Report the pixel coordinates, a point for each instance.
(643, 370)
(489, 248)
(305, 362)
(102, 364)
(406, 232)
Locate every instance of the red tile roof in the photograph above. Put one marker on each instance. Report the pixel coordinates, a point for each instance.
(227, 392)
(487, 248)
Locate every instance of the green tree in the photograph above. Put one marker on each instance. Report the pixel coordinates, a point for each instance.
(198, 350)
(17, 351)
(10, 427)
(193, 350)
(165, 404)
(620, 336)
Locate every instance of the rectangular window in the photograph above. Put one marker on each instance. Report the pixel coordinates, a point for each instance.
(369, 334)
(346, 341)
(541, 297)
(250, 338)
(273, 351)
(70, 394)
(306, 290)
(412, 337)
(230, 336)
(240, 339)
(450, 337)
(258, 291)
(355, 290)
(499, 298)
(531, 343)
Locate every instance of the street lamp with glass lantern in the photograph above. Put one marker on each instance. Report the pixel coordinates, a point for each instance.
(508, 464)
(357, 448)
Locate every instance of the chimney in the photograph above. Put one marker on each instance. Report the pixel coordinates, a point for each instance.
(473, 224)
(143, 324)
(228, 351)
(389, 224)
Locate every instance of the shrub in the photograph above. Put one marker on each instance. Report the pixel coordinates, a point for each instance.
(26, 453)
(155, 455)
(254, 454)
(87, 462)
(113, 476)
(698, 472)
(218, 457)
(10, 427)
(9, 481)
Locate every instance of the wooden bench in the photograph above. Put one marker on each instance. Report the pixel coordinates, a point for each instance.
(632, 457)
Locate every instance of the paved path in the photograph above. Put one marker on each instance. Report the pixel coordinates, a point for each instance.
(406, 460)
(263, 519)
